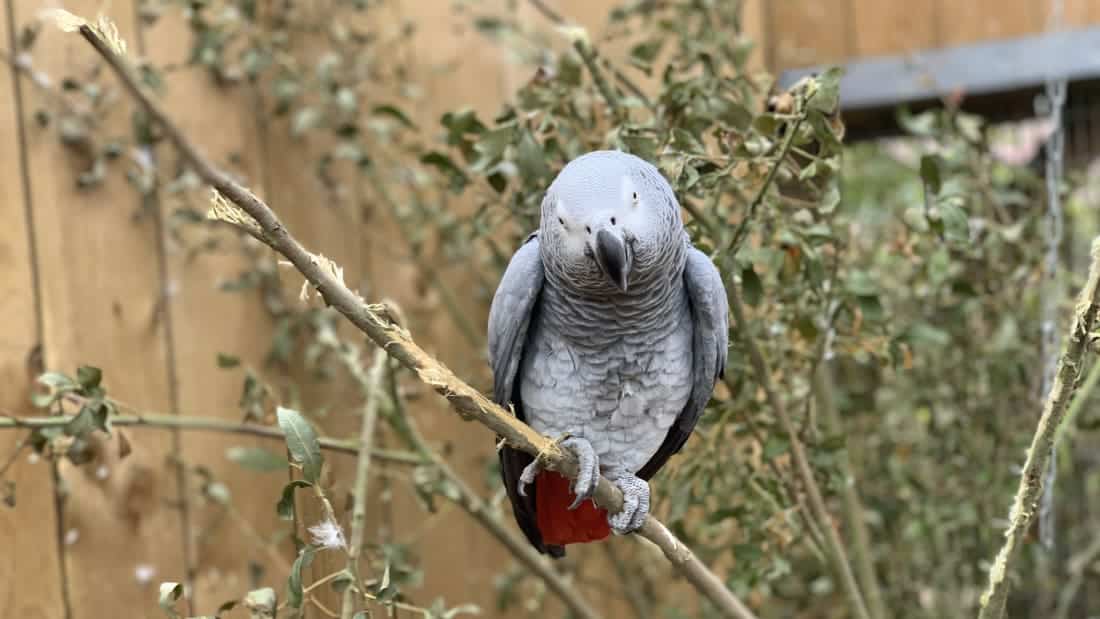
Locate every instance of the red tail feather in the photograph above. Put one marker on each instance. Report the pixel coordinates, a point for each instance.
(558, 524)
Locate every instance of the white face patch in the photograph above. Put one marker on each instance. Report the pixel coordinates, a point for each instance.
(572, 234)
(631, 212)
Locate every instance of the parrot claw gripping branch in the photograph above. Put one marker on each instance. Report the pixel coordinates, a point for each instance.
(620, 254)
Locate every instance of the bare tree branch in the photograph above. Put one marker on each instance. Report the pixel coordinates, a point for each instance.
(206, 424)
(1071, 366)
(371, 320)
(362, 476)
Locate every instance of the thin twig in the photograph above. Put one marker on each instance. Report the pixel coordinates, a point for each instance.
(371, 320)
(362, 476)
(750, 213)
(1071, 365)
(548, 12)
(588, 55)
(853, 506)
(1077, 567)
(19, 447)
(559, 20)
(835, 548)
(207, 424)
(628, 581)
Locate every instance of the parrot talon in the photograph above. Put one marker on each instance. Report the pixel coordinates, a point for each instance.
(588, 474)
(530, 472)
(635, 504)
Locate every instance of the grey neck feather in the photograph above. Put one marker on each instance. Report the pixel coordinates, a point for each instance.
(592, 314)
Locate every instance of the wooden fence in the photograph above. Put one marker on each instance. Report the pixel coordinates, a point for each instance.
(93, 276)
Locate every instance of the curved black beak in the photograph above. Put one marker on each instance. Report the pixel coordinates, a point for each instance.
(613, 257)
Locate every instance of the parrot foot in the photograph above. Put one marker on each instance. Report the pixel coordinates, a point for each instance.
(531, 471)
(588, 475)
(635, 504)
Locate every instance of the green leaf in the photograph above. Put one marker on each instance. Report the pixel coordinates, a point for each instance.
(218, 492)
(530, 158)
(58, 385)
(92, 416)
(305, 119)
(860, 283)
(393, 112)
(956, 225)
(294, 582)
(7, 492)
(830, 200)
(226, 607)
(923, 124)
(89, 377)
(930, 166)
(443, 163)
(342, 581)
(491, 146)
(751, 286)
(261, 603)
(301, 440)
(643, 54)
(285, 506)
(774, 446)
(170, 593)
(828, 91)
(257, 459)
(227, 361)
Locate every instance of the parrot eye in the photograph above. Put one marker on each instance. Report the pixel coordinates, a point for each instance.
(612, 221)
(588, 229)
(561, 221)
(635, 196)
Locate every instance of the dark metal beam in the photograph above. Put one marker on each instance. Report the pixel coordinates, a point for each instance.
(998, 79)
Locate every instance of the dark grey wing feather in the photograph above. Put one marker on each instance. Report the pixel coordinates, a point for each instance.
(514, 306)
(710, 327)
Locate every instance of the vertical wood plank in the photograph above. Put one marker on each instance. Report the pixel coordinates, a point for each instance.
(30, 569)
(482, 78)
(806, 33)
(891, 28)
(100, 300)
(983, 20)
(206, 321)
(755, 24)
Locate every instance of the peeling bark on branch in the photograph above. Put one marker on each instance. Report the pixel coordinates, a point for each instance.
(1071, 366)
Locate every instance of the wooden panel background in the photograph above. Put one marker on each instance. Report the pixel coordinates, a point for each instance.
(72, 258)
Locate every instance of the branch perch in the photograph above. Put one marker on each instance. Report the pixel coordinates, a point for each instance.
(1071, 366)
(371, 320)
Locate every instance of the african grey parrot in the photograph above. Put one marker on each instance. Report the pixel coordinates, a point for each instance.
(610, 327)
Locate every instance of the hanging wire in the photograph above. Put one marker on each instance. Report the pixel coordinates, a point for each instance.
(1055, 98)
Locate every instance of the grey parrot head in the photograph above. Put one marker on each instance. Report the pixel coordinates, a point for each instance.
(609, 221)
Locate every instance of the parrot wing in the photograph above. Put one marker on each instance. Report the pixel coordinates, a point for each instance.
(514, 306)
(710, 342)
